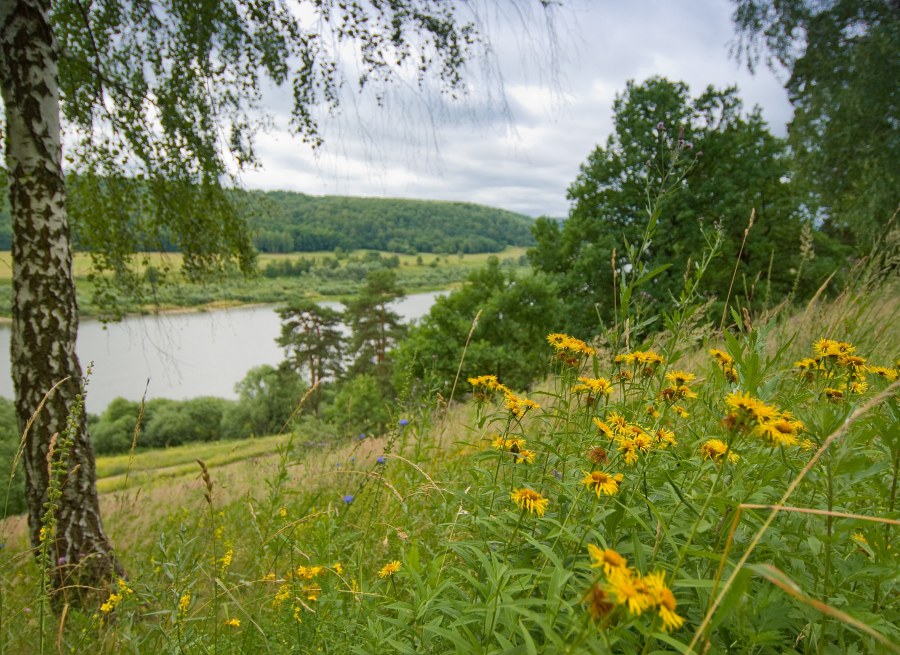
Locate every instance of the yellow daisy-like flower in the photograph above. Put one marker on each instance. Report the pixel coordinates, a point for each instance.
(665, 437)
(525, 456)
(679, 378)
(721, 357)
(777, 433)
(518, 406)
(606, 559)
(618, 422)
(488, 382)
(604, 428)
(602, 483)
(389, 569)
(664, 600)
(833, 395)
(652, 412)
(530, 500)
(312, 592)
(557, 340)
(629, 451)
(715, 450)
(599, 386)
(748, 408)
(233, 623)
(629, 590)
(681, 411)
(888, 374)
(338, 568)
(857, 387)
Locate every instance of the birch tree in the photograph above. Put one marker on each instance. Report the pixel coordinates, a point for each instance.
(158, 101)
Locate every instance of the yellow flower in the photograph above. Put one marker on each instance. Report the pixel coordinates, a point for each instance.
(679, 378)
(489, 382)
(777, 433)
(184, 602)
(599, 386)
(233, 623)
(715, 450)
(309, 572)
(283, 593)
(835, 396)
(282, 512)
(225, 560)
(389, 569)
(525, 457)
(338, 568)
(857, 387)
(518, 406)
(604, 428)
(681, 411)
(665, 437)
(748, 408)
(602, 483)
(618, 422)
(721, 357)
(530, 500)
(562, 342)
(111, 603)
(664, 600)
(312, 592)
(629, 590)
(888, 374)
(606, 559)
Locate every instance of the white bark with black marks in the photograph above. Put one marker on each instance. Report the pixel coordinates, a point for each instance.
(45, 316)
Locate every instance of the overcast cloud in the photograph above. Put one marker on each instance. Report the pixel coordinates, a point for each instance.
(520, 155)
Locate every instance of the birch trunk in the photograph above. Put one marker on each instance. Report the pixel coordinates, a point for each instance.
(45, 318)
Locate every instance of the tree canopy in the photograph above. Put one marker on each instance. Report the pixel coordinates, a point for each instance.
(713, 163)
(843, 70)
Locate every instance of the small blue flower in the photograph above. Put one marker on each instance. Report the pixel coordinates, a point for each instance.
(62, 561)
(362, 436)
(381, 459)
(348, 499)
(557, 474)
(403, 422)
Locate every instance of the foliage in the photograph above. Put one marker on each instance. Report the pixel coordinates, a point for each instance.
(515, 310)
(706, 164)
(312, 339)
(585, 524)
(12, 483)
(842, 65)
(374, 328)
(291, 222)
(359, 406)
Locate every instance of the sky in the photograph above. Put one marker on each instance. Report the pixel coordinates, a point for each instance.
(517, 139)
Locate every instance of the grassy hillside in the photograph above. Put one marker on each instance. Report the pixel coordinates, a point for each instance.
(638, 520)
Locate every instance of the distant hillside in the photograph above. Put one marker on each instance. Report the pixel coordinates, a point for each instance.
(288, 221)
(284, 221)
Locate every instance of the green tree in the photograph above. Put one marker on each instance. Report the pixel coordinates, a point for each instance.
(374, 327)
(517, 314)
(312, 338)
(267, 398)
(359, 406)
(159, 98)
(843, 65)
(712, 163)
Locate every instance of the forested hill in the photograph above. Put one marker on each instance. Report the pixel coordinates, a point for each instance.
(286, 221)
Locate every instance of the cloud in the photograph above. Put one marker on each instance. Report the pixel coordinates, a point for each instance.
(523, 153)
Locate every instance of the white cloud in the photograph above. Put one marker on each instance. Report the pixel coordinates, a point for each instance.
(427, 147)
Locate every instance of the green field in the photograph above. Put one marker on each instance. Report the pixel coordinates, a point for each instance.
(416, 273)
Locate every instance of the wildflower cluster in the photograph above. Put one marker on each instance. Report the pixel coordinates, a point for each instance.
(845, 372)
(772, 425)
(626, 587)
(632, 439)
(516, 447)
(725, 362)
(517, 405)
(643, 363)
(116, 597)
(570, 350)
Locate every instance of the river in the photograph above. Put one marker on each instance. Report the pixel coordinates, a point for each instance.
(183, 355)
